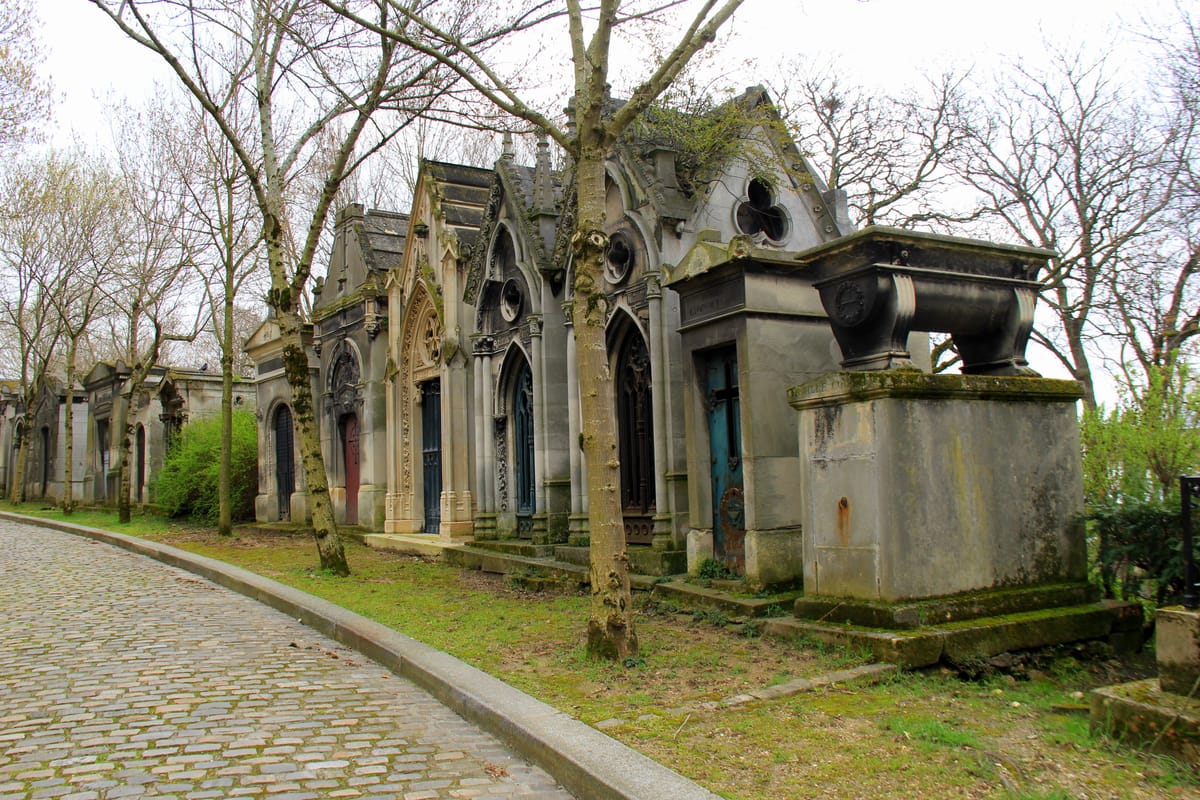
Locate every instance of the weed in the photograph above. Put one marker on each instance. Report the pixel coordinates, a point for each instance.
(712, 570)
(932, 732)
(1038, 794)
(753, 628)
(713, 616)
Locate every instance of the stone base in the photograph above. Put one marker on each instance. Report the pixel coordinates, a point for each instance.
(979, 638)
(1142, 714)
(939, 611)
(643, 561)
(578, 534)
(918, 486)
(774, 559)
(1177, 640)
(699, 548)
(572, 554)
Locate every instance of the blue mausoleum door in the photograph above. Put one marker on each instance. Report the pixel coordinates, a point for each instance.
(431, 453)
(725, 444)
(523, 446)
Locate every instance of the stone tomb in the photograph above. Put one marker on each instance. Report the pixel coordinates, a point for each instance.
(917, 486)
(752, 325)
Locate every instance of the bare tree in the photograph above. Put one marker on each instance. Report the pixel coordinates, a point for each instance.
(89, 226)
(889, 153)
(226, 240)
(1157, 298)
(1068, 160)
(323, 94)
(24, 96)
(32, 195)
(588, 136)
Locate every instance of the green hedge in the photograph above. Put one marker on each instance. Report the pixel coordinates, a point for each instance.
(187, 483)
(1140, 549)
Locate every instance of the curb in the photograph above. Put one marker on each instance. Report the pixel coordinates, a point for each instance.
(585, 761)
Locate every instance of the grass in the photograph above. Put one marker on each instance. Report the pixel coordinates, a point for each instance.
(921, 734)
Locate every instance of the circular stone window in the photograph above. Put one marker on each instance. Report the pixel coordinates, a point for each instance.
(510, 300)
(760, 214)
(618, 258)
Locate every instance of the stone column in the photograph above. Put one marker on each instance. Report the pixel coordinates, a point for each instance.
(481, 416)
(488, 426)
(658, 392)
(577, 527)
(539, 430)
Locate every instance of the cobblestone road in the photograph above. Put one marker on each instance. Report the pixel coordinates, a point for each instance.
(122, 677)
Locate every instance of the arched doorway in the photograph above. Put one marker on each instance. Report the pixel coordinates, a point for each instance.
(523, 448)
(431, 454)
(285, 461)
(141, 462)
(635, 437)
(45, 460)
(349, 435)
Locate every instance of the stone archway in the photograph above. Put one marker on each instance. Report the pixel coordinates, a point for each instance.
(420, 363)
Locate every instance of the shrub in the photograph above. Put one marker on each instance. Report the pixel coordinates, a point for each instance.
(187, 483)
(1140, 553)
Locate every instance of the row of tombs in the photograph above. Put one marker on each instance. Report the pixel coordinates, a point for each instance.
(775, 406)
(770, 363)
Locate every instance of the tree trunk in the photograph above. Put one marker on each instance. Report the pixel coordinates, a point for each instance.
(17, 495)
(68, 498)
(122, 414)
(224, 502)
(295, 361)
(611, 632)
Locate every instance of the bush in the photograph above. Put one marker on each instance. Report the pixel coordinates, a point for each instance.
(187, 483)
(1140, 553)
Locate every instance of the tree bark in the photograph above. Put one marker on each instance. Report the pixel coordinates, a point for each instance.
(224, 502)
(611, 631)
(68, 498)
(329, 544)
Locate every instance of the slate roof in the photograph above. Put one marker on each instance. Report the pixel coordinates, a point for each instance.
(381, 238)
(462, 196)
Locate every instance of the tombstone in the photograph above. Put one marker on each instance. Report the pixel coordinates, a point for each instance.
(752, 325)
(919, 486)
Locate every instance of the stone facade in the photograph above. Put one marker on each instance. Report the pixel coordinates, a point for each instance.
(458, 317)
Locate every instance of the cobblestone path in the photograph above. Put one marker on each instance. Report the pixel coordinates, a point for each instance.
(122, 677)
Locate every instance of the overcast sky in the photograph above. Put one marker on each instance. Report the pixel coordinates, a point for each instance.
(889, 42)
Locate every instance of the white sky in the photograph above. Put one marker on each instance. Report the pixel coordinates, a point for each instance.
(889, 43)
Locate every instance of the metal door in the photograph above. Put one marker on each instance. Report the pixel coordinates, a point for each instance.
(141, 461)
(523, 446)
(45, 460)
(431, 453)
(635, 435)
(350, 463)
(725, 445)
(285, 461)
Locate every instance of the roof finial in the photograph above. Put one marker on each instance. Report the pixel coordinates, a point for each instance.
(542, 178)
(507, 152)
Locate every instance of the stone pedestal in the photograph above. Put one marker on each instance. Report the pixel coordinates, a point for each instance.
(1177, 643)
(917, 486)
